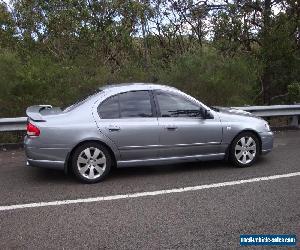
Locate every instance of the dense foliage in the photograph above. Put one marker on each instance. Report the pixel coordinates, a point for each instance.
(222, 52)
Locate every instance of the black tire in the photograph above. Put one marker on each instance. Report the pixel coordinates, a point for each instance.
(91, 171)
(237, 157)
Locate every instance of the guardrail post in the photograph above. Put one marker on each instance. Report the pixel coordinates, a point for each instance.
(294, 122)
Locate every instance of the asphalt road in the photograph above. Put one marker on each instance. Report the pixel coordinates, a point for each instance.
(204, 219)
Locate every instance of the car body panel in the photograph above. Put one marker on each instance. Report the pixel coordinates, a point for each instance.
(133, 137)
(171, 160)
(140, 141)
(186, 136)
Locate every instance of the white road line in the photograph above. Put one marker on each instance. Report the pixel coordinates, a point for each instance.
(144, 194)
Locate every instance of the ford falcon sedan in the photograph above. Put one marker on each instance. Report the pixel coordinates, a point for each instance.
(140, 124)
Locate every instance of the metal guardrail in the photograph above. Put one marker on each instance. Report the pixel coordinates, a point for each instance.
(13, 124)
(276, 110)
(273, 110)
(19, 123)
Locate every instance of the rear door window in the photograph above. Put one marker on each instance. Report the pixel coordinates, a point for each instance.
(135, 104)
(126, 105)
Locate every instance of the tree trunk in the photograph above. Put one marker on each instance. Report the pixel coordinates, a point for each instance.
(266, 77)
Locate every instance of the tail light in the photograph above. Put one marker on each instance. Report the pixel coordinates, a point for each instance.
(32, 130)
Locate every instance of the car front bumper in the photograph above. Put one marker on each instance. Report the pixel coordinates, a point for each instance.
(267, 139)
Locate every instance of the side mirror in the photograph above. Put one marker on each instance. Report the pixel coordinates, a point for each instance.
(206, 114)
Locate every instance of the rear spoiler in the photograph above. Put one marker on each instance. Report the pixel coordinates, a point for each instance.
(33, 112)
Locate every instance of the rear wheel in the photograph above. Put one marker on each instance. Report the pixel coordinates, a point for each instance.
(91, 162)
(244, 149)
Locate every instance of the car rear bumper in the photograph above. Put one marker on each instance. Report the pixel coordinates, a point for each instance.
(53, 157)
(59, 165)
(267, 139)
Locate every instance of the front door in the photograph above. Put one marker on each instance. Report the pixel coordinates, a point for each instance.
(183, 132)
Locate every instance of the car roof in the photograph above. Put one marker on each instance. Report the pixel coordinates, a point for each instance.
(133, 86)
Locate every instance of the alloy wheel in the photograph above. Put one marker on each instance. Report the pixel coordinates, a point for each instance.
(91, 163)
(245, 150)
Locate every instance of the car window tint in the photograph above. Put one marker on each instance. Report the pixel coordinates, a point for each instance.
(135, 104)
(173, 105)
(109, 109)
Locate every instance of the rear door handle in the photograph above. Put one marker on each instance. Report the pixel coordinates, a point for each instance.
(171, 127)
(113, 128)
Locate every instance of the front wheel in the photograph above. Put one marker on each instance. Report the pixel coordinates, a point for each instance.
(91, 162)
(244, 149)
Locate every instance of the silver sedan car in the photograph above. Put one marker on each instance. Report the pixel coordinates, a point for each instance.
(140, 124)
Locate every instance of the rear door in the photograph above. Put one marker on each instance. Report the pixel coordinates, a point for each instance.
(183, 132)
(130, 121)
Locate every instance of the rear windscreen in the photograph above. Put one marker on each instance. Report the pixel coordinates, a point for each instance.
(81, 100)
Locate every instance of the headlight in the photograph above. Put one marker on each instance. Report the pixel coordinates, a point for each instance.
(267, 126)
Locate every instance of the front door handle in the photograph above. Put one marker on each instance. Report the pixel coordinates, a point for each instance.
(112, 128)
(171, 127)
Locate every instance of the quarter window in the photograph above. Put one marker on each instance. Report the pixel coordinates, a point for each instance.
(174, 105)
(109, 109)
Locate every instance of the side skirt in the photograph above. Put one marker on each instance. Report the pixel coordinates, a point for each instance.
(170, 160)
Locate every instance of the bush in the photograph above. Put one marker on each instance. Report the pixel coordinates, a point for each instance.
(10, 65)
(42, 80)
(294, 92)
(214, 79)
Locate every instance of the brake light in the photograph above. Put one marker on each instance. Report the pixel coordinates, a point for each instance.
(32, 130)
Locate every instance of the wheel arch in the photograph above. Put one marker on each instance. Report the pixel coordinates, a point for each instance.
(240, 132)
